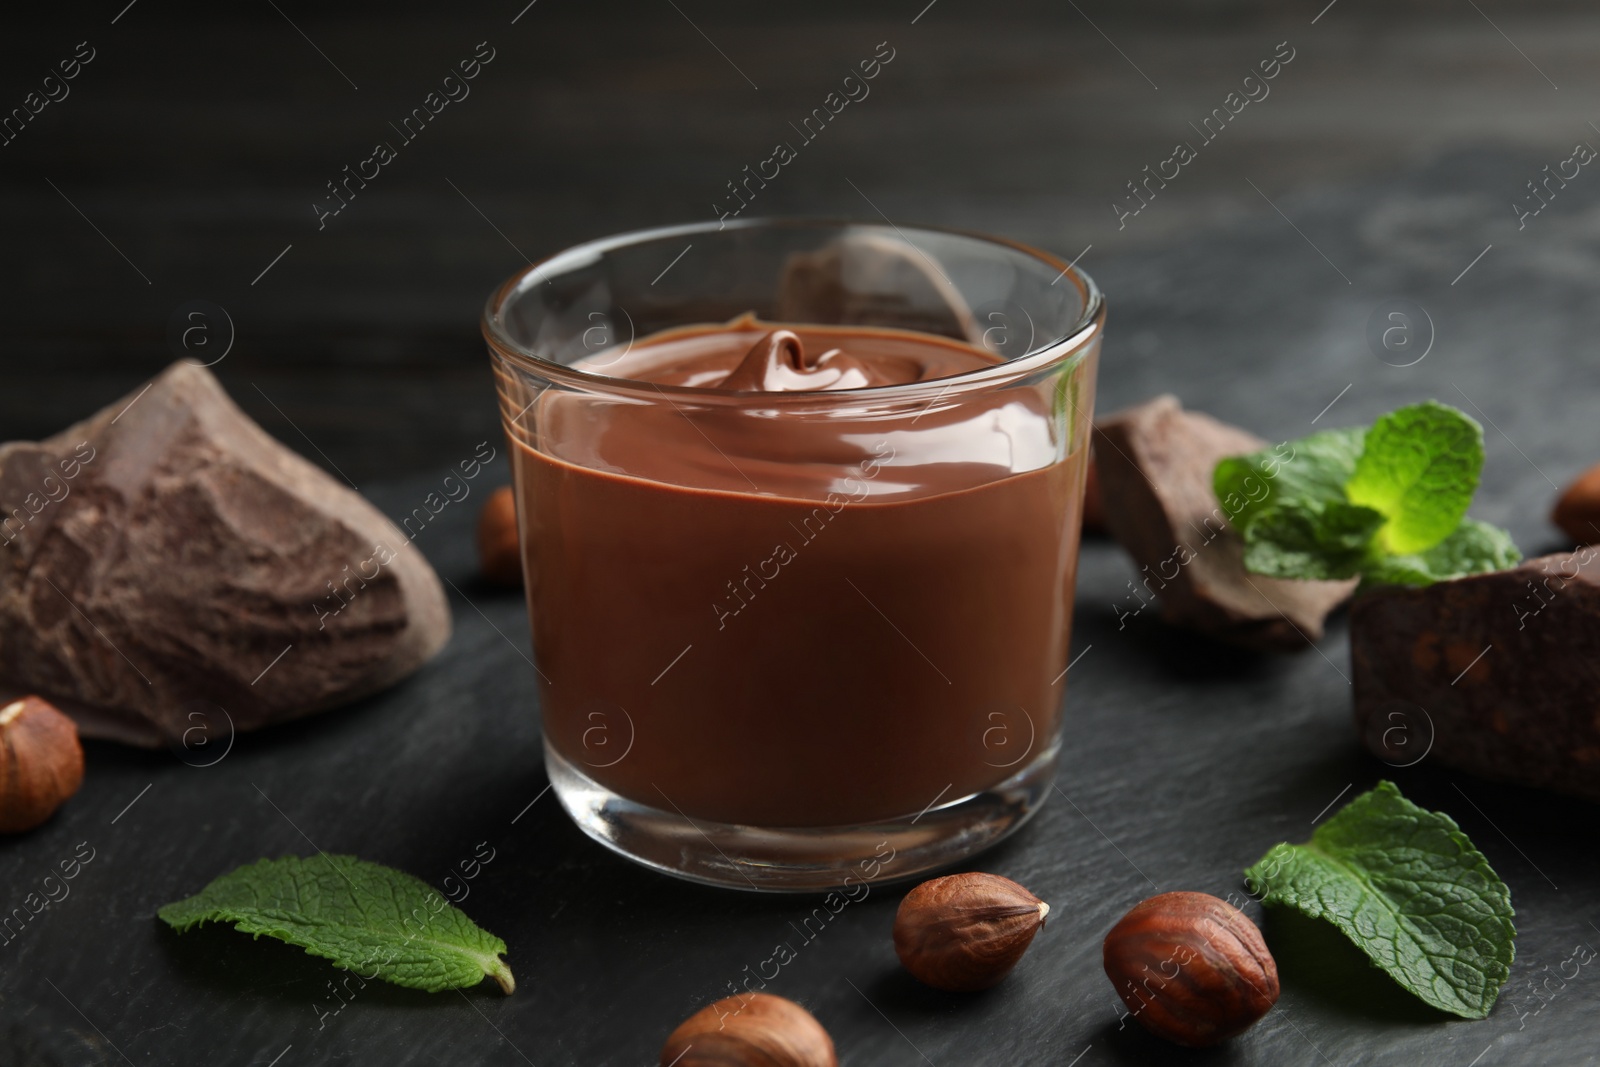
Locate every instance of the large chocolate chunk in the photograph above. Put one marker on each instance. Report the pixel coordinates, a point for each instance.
(1155, 462)
(874, 280)
(166, 555)
(1498, 673)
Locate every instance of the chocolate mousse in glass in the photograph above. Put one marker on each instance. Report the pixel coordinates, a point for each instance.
(799, 505)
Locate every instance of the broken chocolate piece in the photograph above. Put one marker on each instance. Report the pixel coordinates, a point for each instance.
(870, 279)
(1154, 464)
(1497, 672)
(167, 552)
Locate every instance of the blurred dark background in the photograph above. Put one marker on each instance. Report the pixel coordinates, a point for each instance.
(191, 150)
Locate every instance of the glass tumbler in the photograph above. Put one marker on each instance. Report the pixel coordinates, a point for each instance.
(799, 640)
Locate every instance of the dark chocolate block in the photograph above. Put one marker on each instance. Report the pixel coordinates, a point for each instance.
(1496, 672)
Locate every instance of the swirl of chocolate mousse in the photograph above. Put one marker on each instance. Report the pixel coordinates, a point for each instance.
(799, 450)
(750, 356)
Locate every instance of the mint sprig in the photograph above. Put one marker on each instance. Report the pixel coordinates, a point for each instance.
(1410, 890)
(374, 920)
(1387, 504)
(1419, 467)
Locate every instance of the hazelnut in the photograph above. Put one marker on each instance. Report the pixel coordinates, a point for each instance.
(1191, 968)
(41, 763)
(1578, 510)
(499, 551)
(750, 1030)
(965, 932)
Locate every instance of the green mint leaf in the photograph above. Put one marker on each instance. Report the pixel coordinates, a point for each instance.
(1474, 548)
(366, 918)
(1310, 541)
(1407, 887)
(1419, 466)
(1388, 504)
(1065, 406)
(1312, 470)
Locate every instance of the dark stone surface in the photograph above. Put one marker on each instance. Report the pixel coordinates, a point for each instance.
(1185, 763)
(198, 139)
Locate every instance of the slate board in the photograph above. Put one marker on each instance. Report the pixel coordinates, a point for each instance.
(1184, 762)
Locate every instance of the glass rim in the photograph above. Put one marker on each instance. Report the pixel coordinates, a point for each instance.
(1039, 357)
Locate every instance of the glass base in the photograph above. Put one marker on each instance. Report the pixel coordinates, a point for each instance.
(801, 859)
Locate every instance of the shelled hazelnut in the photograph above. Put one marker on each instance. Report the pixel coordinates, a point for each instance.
(1191, 968)
(965, 932)
(499, 551)
(750, 1030)
(1577, 512)
(41, 763)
